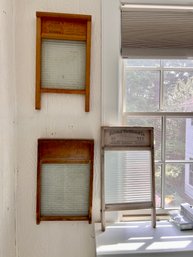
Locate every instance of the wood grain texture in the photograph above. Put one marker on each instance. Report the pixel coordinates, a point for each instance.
(58, 26)
(64, 37)
(64, 27)
(73, 151)
(88, 58)
(62, 91)
(38, 64)
(128, 139)
(64, 15)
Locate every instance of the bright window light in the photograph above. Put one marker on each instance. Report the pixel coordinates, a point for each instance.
(158, 93)
(169, 245)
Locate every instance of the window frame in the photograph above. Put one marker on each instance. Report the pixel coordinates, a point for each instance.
(163, 115)
(111, 64)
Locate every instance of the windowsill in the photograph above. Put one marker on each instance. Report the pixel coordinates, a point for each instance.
(129, 238)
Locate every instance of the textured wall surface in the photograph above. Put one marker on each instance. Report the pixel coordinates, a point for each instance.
(61, 116)
(7, 131)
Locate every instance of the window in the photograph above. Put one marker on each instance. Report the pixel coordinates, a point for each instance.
(159, 93)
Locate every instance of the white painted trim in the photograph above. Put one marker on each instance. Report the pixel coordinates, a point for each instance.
(159, 2)
(110, 62)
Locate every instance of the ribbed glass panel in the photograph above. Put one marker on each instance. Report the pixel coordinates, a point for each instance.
(127, 176)
(63, 64)
(65, 189)
(157, 33)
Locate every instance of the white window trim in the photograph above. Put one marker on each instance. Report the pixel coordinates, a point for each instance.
(111, 111)
(163, 116)
(110, 62)
(111, 68)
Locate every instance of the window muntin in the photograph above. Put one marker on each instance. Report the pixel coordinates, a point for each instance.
(159, 93)
(190, 179)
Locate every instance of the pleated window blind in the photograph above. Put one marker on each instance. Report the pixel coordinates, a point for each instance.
(127, 176)
(156, 31)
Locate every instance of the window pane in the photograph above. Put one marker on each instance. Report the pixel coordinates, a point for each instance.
(158, 188)
(149, 122)
(178, 91)
(179, 138)
(142, 91)
(177, 187)
(177, 63)
(141, 63)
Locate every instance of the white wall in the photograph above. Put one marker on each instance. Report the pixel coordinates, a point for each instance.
(7, 136)
(111, 63)
(61, 116)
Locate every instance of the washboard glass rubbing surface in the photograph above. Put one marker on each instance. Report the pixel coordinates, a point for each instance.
(63, 64)
(127, 176)
(65, 189)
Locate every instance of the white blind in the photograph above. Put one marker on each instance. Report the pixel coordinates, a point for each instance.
(65, 189)
(63, 64)
(127, 176)
(156, 31)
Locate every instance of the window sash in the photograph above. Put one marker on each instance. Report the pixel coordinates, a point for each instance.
(163, 116)
(161, 69)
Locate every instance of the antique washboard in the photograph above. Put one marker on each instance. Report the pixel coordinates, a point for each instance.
(64, 180)
(127, 170)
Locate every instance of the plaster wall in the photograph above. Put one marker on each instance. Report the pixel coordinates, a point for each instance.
(7, 131)
(61, 116)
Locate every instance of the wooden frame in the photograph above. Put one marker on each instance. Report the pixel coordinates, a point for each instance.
(64, 151)
(127, 138)
(62, 27)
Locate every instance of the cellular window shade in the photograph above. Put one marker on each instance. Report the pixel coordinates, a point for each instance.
(127, 177)
(153, 32)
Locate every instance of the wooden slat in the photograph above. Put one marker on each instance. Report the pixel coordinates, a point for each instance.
(38, 189)
(63, 161)
(62, 218)
(128, 206)
(64, 15)
(64, 26)
(91, 183)
(63, 91)
(38, 64)
(88, 53)
(131, 148)
(64, 37)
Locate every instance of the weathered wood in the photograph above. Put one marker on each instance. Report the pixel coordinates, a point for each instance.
(38, 64)
(62, 91)
(68, 27)
(67, 151)
(127, 139)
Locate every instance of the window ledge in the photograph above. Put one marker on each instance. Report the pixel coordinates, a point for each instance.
(140, 239)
